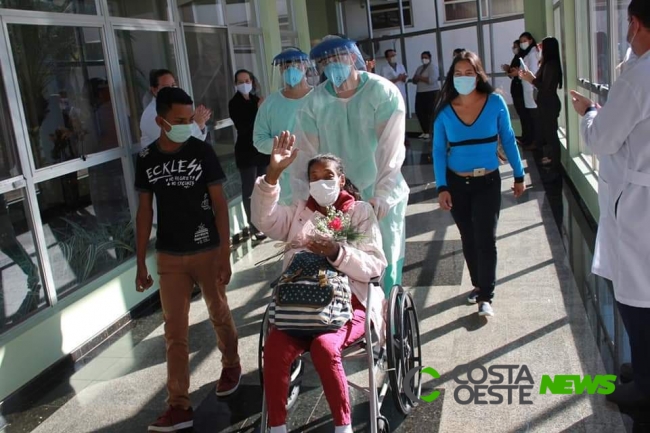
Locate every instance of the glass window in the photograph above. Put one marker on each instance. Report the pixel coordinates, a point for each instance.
(559, 34)
(288, 40)
(386, 16)
(9, 163)
(68, 6)
(210, 68)
(208, 12)
(498, 49)
(248, 55)
(621, 23)
(241, 13)
(62, 77)
(582, 39)
(284, 15)
(506, 7)
(21, 289)
(139, 53)
(502, 87)
(463, 10)
(141, 9)
(600, 70)
(87, 224)
(458, 38)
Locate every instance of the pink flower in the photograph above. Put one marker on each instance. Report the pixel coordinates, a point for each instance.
(336, 224)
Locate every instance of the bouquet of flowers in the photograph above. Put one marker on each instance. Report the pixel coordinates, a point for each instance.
(337, 226)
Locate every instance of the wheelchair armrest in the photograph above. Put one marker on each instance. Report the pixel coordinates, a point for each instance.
(376, 281)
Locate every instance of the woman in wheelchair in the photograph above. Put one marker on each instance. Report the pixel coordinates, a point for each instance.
(360, 261)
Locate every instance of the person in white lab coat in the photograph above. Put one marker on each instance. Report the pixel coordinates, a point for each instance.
(149, 129)
(396, 74)
(620, 130)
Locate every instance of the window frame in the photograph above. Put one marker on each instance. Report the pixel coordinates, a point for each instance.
(407, 7)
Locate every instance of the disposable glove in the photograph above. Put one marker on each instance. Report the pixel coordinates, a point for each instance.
(380, 206)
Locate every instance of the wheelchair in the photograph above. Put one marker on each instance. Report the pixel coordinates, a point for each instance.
(401, 353)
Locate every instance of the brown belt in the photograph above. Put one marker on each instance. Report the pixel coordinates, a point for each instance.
(471, 173)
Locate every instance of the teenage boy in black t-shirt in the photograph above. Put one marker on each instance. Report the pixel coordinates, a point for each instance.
(192, 246)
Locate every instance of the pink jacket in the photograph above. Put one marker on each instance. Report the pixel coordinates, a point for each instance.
(294, 223)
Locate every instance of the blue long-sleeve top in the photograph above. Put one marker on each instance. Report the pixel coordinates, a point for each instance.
(462, 148)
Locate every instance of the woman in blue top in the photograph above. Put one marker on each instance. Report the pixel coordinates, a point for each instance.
(469, 120)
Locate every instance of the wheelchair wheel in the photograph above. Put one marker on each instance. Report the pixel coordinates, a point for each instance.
(297, 368)
(382, 425)
(403, 347)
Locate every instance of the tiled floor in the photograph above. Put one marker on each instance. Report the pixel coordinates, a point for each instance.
(539, 322)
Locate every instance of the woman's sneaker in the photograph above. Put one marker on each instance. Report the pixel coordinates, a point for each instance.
(485, 309)
(473, 295)
(173, 420)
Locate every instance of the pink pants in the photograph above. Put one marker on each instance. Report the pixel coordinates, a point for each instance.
(281, 349)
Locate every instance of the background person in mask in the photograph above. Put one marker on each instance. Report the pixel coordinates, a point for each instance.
(149, 129)
(469, 121)
(516, 86)
(359, 117)
(530, 55)
(620, 129)
(428, 88)
(250, 162)
(278, 112)
(547, 82)
(395, 72)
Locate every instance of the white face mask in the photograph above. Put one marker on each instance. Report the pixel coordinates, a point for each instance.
(325, 192)
(425, 61)
(524, 45)
(244, 88)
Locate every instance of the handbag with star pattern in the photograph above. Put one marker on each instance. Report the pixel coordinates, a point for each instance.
(311, 297)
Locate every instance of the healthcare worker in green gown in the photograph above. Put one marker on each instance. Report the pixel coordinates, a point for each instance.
(278, 112)
(359, 117)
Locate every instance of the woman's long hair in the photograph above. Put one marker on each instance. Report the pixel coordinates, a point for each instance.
(340, 170)
(449, 93)
(551, 54)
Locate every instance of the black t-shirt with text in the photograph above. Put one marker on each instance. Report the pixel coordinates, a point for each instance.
(179, 182)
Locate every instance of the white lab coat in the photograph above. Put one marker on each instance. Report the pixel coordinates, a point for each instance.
(532, 63)
(609, 168)
(150, 131)
(621, 129)
(391, 74)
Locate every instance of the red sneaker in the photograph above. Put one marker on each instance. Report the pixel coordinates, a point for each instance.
(173, 420)
(229, 381)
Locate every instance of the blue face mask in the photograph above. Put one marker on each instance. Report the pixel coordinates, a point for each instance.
(337, 73)
(465, 85)
(293, 76)
(179, 133)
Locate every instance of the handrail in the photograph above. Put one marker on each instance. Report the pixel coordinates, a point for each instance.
(600, 89)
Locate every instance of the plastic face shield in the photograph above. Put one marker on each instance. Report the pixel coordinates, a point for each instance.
(291, 74)
(340, 69)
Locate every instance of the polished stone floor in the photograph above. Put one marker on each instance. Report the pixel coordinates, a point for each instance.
(540, 322)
